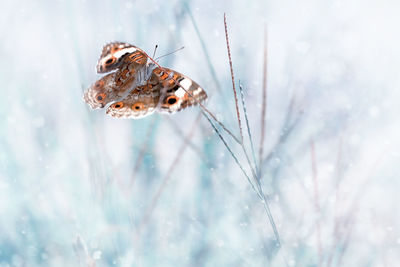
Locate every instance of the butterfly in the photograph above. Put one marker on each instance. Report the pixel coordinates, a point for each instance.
(135, 86)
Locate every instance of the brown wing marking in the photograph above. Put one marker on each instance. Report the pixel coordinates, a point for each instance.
(141, 102)
(113, 54)
(137, 57)
(106, 90)
(178, 91)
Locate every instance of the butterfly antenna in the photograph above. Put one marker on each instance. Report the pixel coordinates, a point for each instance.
(155, 62)
(170, 53)
(155, 50)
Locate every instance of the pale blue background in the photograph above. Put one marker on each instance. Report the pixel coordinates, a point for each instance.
(73, 193)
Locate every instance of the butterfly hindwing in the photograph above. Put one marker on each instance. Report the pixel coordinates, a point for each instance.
(101, 92)
(107, 89)
(167, 91)
(178, 91)
(140, 102)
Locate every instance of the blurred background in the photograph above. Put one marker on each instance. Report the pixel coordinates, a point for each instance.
(79, 188)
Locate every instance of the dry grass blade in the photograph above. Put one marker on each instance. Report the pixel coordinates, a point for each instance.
(233, 78)
(205, 111)
(236, 100)
(213, 73)
(259, 190)
(264, 103)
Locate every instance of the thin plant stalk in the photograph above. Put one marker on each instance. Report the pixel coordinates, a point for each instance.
(249, 131)
(236, 100)
(213, 117)
(233, 79)
(232, 154)
(264, 102)
(260, 190)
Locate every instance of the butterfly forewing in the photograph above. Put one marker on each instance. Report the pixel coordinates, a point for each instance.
(113, 55)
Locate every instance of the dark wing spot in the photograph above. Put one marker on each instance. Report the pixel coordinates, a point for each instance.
(171, 100)
(118, 105)
(111, 60)
(100, 97)
(138, 106)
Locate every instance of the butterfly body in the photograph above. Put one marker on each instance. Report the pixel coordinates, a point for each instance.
(138, 87)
